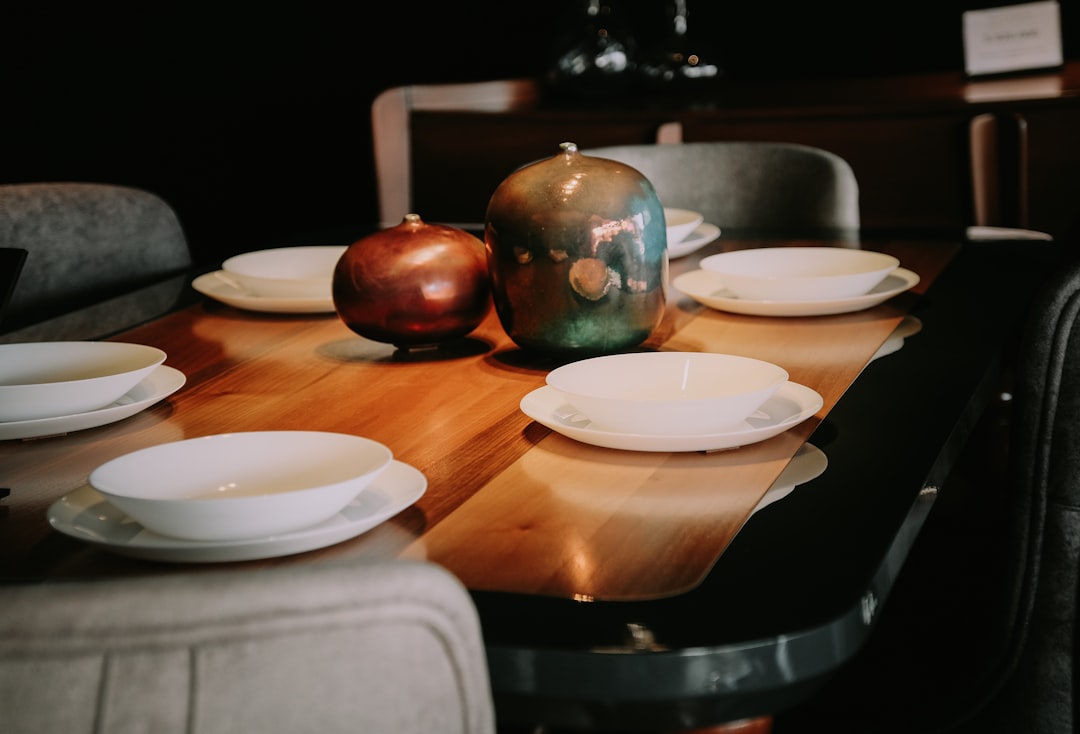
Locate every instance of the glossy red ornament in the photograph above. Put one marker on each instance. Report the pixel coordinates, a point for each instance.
(415, 284)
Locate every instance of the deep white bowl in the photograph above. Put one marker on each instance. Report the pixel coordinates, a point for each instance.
(673, 393)
(286, 272)
(800, 273)
(236, 486)
(680, 223)
(51, 379)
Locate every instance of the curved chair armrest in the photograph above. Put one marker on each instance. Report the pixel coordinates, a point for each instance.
(987, 234)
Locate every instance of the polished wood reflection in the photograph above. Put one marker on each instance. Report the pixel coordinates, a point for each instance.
(510, 505)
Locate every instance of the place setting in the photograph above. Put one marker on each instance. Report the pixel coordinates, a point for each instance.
(796, 281)
(51, 388)
(278, 280)
(670, 401)
(238, 496)
(687, 231)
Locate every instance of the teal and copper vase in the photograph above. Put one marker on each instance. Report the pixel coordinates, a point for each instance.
(577, 255)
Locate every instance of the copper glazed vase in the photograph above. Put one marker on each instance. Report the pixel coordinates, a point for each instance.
(577, 254)
(415, 284)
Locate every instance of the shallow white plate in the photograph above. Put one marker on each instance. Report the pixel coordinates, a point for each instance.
(681, 223)
(703, 235)
(218, 286)
(46, 379)
(671, 393)
(708, 289)
(240, 485)
(162, 382)
(85, 515)
(286, 272)
(800, 273)
(789, 406)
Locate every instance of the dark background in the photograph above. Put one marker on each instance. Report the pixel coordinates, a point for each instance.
(253, 120)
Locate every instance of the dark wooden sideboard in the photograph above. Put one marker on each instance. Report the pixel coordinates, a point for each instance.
(908, 138)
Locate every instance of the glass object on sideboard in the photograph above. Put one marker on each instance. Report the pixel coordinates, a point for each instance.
(680, 62)
(597, 56)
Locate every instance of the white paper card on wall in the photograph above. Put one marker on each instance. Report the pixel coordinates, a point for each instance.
(1012, 38)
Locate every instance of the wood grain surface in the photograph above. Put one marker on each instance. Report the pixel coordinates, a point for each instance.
(510, 505)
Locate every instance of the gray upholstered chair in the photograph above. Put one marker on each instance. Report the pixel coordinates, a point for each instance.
(11, 265)
(754, 186)
(88, 244)
(986, 638)
(369, 646)
(1036, 686)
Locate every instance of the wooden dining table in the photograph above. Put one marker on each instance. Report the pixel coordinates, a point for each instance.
(637, 589)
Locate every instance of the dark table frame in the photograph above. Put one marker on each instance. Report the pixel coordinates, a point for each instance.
(818, 564)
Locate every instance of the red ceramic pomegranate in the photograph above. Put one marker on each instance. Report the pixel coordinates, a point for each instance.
(415, 284)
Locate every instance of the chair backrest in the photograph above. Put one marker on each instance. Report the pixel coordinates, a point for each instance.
(86, 242)
(999, 170)
(390, 129)
(371, 646)
(1037, 685)
(759, 186)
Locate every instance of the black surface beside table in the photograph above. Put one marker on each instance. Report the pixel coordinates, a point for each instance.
(799, 590)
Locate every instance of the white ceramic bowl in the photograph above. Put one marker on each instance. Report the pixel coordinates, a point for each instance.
(236, 486)
(51, 379)
(680, 223)
(673, 393)
(286, 272)
(800, 273)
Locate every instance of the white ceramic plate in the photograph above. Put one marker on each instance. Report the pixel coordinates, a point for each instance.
(789, 406)
(800, 273)
(85, 515)
(681, 223)
(703, 235)
(218, 286)
(286, 272)
(242, 484)
(671, 393)
(162, 382)
(47, 379)
(707, 288)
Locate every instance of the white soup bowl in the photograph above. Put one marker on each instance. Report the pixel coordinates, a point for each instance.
(237, 486)
(286, 272)
(800, 273)
(668, 393)
(680, 223)
(51, 379)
